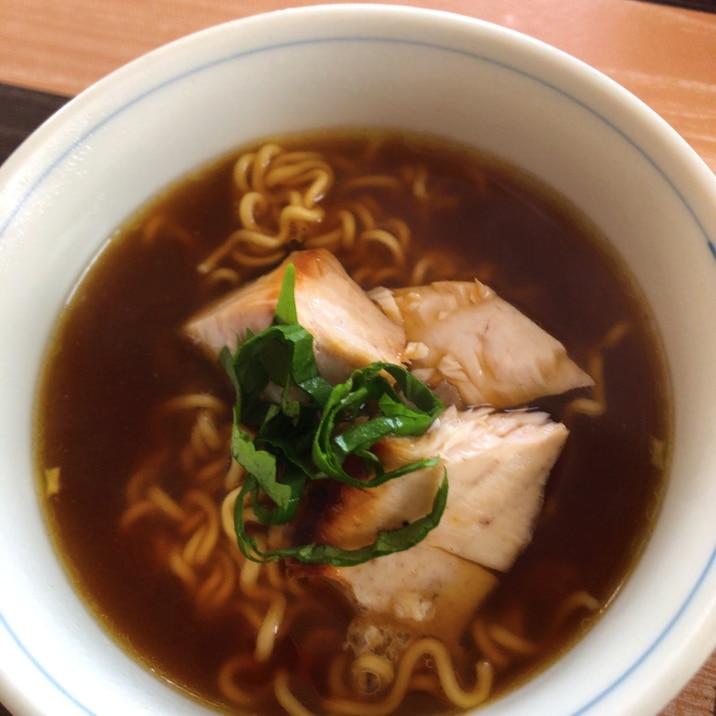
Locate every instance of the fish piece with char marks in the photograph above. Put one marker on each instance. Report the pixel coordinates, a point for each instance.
(349, 331)
(497, 466)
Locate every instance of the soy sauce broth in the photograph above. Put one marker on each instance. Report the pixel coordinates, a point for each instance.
(117, 353)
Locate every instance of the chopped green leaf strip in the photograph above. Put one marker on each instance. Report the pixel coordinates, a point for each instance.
(285, 311)
(386, 542)
(304, 429)
(392, 416)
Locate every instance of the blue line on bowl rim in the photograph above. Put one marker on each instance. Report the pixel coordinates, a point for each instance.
(342, 39)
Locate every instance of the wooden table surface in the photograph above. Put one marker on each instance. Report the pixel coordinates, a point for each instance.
(665, 55)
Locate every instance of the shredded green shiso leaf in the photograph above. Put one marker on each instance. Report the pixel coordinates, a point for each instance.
(312, 427)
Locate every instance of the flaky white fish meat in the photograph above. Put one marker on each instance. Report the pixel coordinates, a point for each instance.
(349, 331)
(497, 466)
(463, 334)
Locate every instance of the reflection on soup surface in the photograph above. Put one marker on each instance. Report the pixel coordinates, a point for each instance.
(361, 545)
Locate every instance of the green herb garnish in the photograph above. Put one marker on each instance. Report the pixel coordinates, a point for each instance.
(303, 428)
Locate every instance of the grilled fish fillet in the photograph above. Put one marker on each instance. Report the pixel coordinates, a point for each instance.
(349, 331)
(497, 465)
(465, 335)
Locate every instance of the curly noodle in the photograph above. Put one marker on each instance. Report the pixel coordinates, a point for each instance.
(279, 196)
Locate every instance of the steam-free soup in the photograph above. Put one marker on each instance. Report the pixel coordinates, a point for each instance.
(134, 422)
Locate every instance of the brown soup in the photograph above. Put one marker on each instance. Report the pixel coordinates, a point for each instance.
(136, 515)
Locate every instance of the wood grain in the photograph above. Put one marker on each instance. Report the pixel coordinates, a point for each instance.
(666, 56)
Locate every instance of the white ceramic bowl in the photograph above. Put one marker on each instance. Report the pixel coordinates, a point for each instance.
(81, 174)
